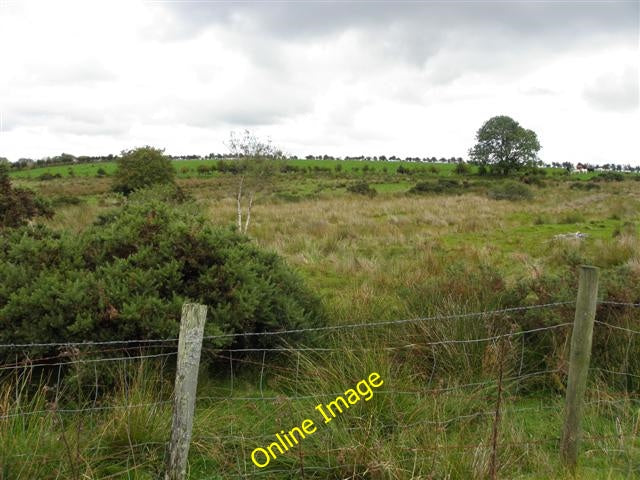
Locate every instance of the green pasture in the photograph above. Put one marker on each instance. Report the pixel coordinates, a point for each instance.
(188, 169)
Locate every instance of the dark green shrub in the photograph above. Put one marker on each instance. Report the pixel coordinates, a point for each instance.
(127, 276)
(290, 197)
(234, 167)
(141, 168)
(48, 176)
(531, 179)
(205, 169)
(608, 177)
(161, 193)
(584, 186)
(288, 168)
(362, 188)
(63, 200)
(443, 185)
(101, 172)
(18, 205)
(510, 191)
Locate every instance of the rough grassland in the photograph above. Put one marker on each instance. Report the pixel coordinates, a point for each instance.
(384, 258)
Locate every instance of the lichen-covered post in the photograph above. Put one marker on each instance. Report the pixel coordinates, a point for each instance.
(189, 347)
(580, 355)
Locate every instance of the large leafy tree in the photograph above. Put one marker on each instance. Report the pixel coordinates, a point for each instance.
(142, 167)
(504, 145)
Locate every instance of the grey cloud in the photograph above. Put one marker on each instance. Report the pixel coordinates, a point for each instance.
(448, 39)
(64, 119)
(244, 107)
(212, 114)
(74, 127)
(299, 20)
(616, 93)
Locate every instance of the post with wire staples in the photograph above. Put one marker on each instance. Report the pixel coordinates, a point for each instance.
(189, 347)
(580, 355)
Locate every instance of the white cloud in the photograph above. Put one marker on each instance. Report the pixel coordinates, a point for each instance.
(338, 78)
(614, 91)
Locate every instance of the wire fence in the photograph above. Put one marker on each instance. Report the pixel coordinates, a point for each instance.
(432, 414)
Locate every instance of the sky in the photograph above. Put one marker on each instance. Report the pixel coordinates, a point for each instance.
(405, 78)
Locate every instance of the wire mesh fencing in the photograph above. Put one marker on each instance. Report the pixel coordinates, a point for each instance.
(461, 393)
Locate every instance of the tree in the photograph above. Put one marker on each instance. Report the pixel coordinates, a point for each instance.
(18, 205)
(504, 145)
(258, 162)
(142, 167)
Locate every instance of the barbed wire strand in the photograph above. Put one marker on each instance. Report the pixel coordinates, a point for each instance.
(297, 330)
(622, 304)
(617, 327)
(89, 360)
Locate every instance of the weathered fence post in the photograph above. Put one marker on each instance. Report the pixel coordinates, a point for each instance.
(579, 362)
(189, 347)
(493, 460)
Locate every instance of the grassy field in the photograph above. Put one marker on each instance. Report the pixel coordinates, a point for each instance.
(375, 259)
(188, 168)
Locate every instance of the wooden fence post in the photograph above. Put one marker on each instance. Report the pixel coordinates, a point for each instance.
(580, 356)
(189, 347)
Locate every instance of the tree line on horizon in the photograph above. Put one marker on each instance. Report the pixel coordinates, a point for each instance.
(69, 159)
(503, 147)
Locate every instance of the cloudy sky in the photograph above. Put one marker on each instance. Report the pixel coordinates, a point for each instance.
(406, 78)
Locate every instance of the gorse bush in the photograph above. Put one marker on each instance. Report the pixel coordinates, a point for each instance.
(127, 276)
(18, 205)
